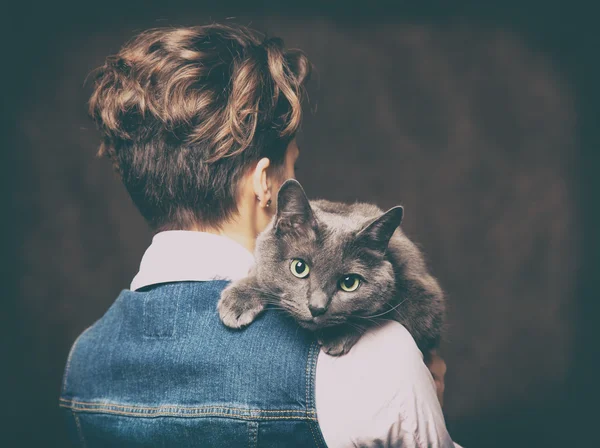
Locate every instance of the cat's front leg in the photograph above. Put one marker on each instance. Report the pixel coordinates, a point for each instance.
(240, 303)
(338, 341)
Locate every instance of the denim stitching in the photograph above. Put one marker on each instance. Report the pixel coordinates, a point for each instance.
(71, 352)
(308, 388)
(253, 434)
(147, 334)
(313, 434)
(79, 430)
(199, 415)
(313, 355)
(308, 359)
(85, 404)
(245, 414)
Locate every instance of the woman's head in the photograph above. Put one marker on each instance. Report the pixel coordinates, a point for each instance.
(192, 116)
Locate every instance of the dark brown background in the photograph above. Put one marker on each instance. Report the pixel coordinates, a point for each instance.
(479, 119)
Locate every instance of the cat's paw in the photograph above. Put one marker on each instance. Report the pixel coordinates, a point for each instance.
(338, 345)
(237, 310)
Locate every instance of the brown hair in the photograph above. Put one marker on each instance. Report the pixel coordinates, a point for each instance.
(184, 112)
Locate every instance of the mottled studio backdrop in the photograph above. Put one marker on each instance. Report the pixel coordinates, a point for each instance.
(478, 121)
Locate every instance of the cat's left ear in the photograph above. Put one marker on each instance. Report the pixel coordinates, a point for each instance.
(377, 234)
(294, 213)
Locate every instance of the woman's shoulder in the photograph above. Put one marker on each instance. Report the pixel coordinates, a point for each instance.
(380, 390)
(386, 346)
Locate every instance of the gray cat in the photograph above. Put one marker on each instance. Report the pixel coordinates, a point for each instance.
(337, 269)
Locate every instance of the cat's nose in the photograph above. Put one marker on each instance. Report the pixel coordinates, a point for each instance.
(317, 303)
(316, 310)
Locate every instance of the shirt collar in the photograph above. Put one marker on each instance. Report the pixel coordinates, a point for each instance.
(181, 255)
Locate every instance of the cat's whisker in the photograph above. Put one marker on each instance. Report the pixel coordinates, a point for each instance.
(358, 327)
(265, 294)
(385, 312)
(371, 321)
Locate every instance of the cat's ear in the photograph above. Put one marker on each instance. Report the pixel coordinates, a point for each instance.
(378, 233)
(294, 213)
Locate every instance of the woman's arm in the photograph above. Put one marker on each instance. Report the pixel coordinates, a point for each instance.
(437, 367)
(380, 394)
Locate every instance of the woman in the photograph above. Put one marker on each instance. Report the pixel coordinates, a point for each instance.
(200, 123)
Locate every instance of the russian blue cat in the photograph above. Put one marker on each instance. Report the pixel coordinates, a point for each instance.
(337, 269)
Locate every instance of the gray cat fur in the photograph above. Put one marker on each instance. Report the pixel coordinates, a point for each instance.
(337, 239)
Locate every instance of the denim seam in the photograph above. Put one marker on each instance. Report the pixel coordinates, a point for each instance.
(163, 411)
(71, 352)
(79, 430)
(310, 394)
(253, 434)
(308, 387)
(167, 334)
(85, 404)
(199, 415)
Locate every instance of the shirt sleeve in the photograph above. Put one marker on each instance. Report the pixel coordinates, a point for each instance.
(380, 394)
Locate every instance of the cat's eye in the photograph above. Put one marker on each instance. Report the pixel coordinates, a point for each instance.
(350, 283)
(299, 268)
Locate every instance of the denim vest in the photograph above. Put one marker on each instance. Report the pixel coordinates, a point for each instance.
(160, 369)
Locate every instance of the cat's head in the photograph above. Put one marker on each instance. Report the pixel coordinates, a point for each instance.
(324, 268)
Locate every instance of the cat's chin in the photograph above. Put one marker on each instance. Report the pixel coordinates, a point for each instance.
(314, 324)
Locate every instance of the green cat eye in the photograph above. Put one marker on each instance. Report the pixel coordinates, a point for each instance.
(299, 268)
(350, 283)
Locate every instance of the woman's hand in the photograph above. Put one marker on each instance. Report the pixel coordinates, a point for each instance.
(437, 367)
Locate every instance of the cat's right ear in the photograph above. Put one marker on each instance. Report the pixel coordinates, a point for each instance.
(378, 233)
(294, 214)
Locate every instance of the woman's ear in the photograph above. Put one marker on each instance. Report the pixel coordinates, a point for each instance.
(262, 183)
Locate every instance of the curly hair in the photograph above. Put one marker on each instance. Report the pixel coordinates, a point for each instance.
(184, 112)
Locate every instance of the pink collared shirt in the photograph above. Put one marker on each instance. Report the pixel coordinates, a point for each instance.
(379, 394)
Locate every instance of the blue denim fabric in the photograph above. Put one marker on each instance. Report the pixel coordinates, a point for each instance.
(160, 369)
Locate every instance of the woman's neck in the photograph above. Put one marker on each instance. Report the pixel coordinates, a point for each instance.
(241, 236)
(242, 231)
